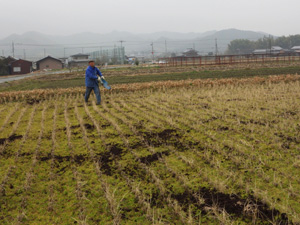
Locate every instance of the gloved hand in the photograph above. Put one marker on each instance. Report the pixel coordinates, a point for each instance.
(99, 80)
(102, 77)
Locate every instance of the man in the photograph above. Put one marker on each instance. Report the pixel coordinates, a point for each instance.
(92, 79)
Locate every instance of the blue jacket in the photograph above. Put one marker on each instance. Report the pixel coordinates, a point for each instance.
(91, 76)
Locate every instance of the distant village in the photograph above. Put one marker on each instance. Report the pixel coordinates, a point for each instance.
(21, 66)
(14, 66)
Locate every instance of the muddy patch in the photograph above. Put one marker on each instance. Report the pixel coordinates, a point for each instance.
(105, 125)
(32, 101)
(74, 126)
(167, 136)
(78, 159)
(287, 138)
(235, 100)
(10, 138)
(232, 204)
(105, 159)
(213, 118)
(89, 126)
(222, 128)
(256, 122)
(154, 157)
(115, 150)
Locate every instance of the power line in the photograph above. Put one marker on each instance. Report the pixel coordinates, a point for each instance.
(136, 41)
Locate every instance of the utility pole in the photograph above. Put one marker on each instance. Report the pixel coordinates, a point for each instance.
(13, 49)
(44, 52)
(166, 47)
(152, 52)
(115, 55)
(217, 51)
(270, 44)
(2, 52)
(82, 50)
(24, 51)
(122, 52)
(64, 52)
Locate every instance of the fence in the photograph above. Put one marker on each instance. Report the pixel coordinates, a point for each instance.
(227, 59)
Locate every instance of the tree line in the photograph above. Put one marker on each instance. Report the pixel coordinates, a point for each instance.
(245, 46)
(4, 66)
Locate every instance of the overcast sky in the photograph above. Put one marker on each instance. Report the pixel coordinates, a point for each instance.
(62, 17)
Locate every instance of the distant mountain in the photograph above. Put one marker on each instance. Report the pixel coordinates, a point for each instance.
(224, 37)
(30, 37)
(174, 35)
(35, 45)
(90, 37)
(232, 34)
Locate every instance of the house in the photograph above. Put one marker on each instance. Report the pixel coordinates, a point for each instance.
(260, 52)
(276, 50)
(20, 66)
(64, 60)
(50, 63)
(296, 49)
(190, 53)
(79, 60)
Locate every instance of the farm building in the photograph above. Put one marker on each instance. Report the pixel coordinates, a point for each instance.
(190, 53)
(259, 51)
(275, 50)
(79, 60)
(64, 60)
(50, 63)
(20, 66)
(296, 49)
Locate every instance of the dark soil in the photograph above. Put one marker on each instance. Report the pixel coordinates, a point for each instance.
(74, 126)
(32, 101)
(152, 158)
(89, 126)
(106, 159)
(221, 128)
(233, 204)
(78, 159)
(158, 138)
(10, 138)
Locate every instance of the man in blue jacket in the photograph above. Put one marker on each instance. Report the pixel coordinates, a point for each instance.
(92, 79)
